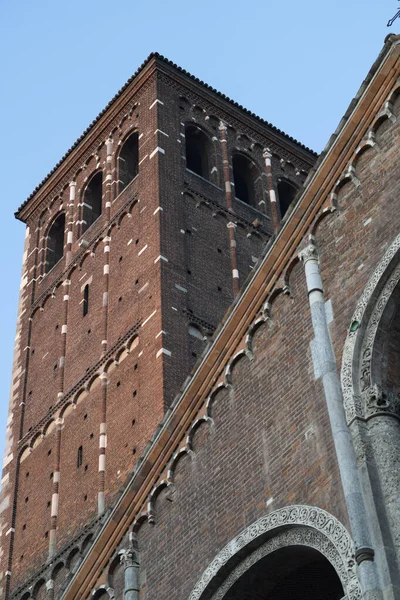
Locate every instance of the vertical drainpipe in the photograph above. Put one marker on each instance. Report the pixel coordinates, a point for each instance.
(130, 561)
(56, 485)
(271, 191)
(228, 196)
(104, 379)
(325, 365)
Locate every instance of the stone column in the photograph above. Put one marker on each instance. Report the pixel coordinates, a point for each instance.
(382, 409)
(325, 366)
(130, 560)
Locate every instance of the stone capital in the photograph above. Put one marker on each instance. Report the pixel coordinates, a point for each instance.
(128, 558)
(309, 253)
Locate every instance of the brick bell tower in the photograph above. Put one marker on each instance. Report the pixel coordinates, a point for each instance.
(136, 244)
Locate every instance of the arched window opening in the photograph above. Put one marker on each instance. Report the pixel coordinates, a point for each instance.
(286, 194)
(197, 150)
(299, 573)
(92, 201)
(55, 242)
(86, 300)
(243, 179)
(79, 458)
(128, 161)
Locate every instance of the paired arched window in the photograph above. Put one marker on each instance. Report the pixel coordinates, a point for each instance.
(128, 161)
(92, 201)
(243, 177)
(55, 242)
(286, 194)
(197, 151)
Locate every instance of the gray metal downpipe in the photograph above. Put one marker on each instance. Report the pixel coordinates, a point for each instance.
(325, 365)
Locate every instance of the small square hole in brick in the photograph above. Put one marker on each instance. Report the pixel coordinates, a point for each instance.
(48, 504)
(118, 383)
(134, 393)
(85, 497)
(133, 450)
(133, 421)
(48, 452)
(24, 527)
(86, 467)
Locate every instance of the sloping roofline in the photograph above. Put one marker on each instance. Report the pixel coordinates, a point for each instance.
(156, 55)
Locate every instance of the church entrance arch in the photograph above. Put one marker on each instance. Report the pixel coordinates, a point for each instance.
(295, 552)
(294, 571)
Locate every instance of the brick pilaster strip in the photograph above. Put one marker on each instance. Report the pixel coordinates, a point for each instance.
(228, 197)
(55, 493)
(271, 191)
(106, 279)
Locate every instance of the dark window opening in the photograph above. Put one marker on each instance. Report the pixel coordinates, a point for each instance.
(197, 149)
(55, 242)
(286, 194)
(128, 161)
(79, 459)
(86, 300)
(92, 201)
(243, 179)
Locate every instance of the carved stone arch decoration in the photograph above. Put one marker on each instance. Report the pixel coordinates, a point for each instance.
(362, 395)
(298, 525)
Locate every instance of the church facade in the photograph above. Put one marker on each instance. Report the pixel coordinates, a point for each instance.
(205, 394)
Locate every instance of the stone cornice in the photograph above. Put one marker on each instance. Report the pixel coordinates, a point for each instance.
(334, 162)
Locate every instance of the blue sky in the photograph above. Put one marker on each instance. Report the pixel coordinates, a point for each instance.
(296, 64)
